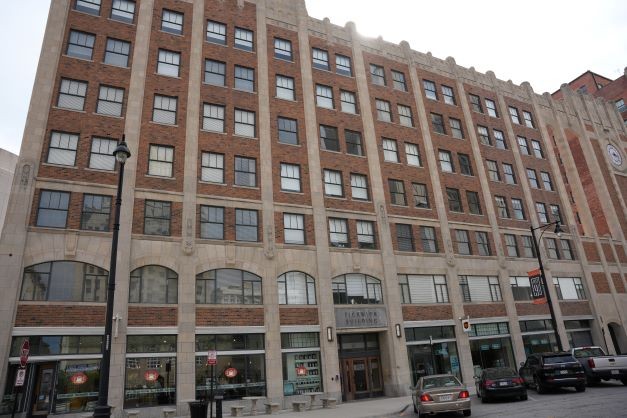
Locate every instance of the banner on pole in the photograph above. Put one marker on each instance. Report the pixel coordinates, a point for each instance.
(536, 287)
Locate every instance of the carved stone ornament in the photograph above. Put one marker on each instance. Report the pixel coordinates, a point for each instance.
(269, 251)
(25, 176)
(188, 242)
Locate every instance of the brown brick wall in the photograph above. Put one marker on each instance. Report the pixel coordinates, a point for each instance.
(590, 249)
(426, 313)
(600, 283)
(60, 316)
(620, 251)
(298, 316)
(607, 252)
(485, 310)
(575, 308)
(618, 283)
(531, 309)
(220, 316)
(152, 316)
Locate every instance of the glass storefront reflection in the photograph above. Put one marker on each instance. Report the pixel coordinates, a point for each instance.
(426, 359)
(491, 352)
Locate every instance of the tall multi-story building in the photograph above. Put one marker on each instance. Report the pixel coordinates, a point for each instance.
(321, 208)
(7, 168)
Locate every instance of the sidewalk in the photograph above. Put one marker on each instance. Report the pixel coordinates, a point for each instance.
(375, 408)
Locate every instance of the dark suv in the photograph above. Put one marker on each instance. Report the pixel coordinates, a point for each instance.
(551, 370)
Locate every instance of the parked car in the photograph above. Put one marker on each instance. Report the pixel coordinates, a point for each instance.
(598, 365)
(440, 393)
(500, 383)
(552, 370)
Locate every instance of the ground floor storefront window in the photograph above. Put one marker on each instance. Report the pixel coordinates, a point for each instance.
(432, 350)
(579, 333)
(302, 369)
(538, 336)
(77, 386)
(491, 346)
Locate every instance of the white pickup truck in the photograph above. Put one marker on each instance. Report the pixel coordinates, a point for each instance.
(599, 366)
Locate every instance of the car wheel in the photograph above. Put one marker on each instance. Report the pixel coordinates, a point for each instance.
(539, 386)
(466, 412)
(484, 400)
(580, 388)
(523, 397)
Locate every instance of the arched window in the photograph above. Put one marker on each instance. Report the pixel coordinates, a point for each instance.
(296, 288)
(65, 281)
(356, 289)
(153, 284)
(228, 287)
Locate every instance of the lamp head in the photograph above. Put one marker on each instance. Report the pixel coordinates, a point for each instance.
(122, 152)
(558, 229)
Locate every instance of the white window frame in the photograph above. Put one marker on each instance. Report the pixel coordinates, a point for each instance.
(405, 117)
(212, 167)
(324, 96)
(215, 32)
(384, 114)
(412, 154)
(101, 155)
(333, 183)
(359, 186)
(285, 87)
(110, 101)
(62, 148)
(390, 150)
(164, 109)
(168, 63)
(213, 117)
(290, 177)
(72, 94)
(338, 232)
(160, 160)
(293, 228)
(243, 124)
(244, 39)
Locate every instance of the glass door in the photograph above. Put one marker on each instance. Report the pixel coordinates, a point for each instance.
(360, 377)
(44, 384)
(375, 374)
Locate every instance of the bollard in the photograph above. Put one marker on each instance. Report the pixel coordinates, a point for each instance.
(219, 406)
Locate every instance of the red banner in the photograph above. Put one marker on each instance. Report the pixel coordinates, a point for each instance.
(536, 287)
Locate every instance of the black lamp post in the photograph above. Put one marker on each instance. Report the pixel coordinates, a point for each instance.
(558, 231)
(121, 153)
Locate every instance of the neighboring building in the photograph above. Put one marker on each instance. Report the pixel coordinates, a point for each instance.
(319, 207)
(7, 168)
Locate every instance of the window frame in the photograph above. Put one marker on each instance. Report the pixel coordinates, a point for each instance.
(160, 156)
(166, 215)
(285, 169)
(171, 25)
(207, 218)
(360, 187)
(214, 36)
(63, 198)
(454, 200)
(240, 223)
(329, 185)
(78, 42)
(285, 90)
(397, 192)
(244, 39)
(298, 228)
(245, 169)
(244, 124)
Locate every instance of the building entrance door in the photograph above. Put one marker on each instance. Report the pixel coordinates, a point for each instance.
(42, 393)
(360, 366)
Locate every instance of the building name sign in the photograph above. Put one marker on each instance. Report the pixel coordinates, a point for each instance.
(361, 318)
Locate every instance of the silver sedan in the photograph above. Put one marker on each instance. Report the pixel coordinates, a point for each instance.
(440, 393)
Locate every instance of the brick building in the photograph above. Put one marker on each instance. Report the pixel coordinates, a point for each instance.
(7, 168)
(319, 207)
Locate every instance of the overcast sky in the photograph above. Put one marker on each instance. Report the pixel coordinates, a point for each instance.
(541, 41)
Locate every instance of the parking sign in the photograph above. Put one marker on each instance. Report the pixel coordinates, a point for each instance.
(212, 358)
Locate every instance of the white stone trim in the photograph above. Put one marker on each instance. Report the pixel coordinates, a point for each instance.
(143, 355)
(151, 330)
(420, 324)
(231, 330)
(58, 357)
(28, 331)
(300, 328)
(231, 352)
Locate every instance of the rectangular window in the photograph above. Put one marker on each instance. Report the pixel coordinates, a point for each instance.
(213, 117)
(427, 236)
(454, 200)
(123, 10)
(464, 164)
(244, 123)
(353, 142)
(288, 131)
(328, 138)
(404, 116)
(384, 113)
(160, 161)
(333, 183)
(551, 248)
(80, 45)
(282, 49)
(456, 128)
(483, 244)
(290, 177)
(211, 222)
(421, 196)
(212, 167)
(53, 209)
(522, 143)
(164, 109)
(567, 250)
(569, 288)
(157, 216)
(101, 157)
(484, 135)
(404, 237)
(359, 186)
(463, 242)
(377, 75)
(556, 214)
(529, 250)
(499, 139)
(513, 113)
(62, 150)
(501, 207)
(419, 289)
(338, 233)
(117, 52)
(168, 63)
(245, 172)
(537, 149)
(398, 81)
(285, 87)
(244, 39)
(493, 170)
(438, 123)
(412, 154)
(430, 91)
(320, 59)
(546, 181)
(446, 162)
(246, 225)
(397, 192)
(517, 207)
(244, 78)
(365, 235)
(215, 72)
(480, 288)
(541, 210)
(474, 204)
(491, 106)
(348, 102)
(324, 96)
(508, 172)
(88, 6)
(343, 65)
(294, 228)
(72, 94)
(390, 152)
(449, 95)
(521, 288)
(511, 245)
(110, 101)
(475, 103)
(172, 22)
(528, 119)
(96, 212)
(216, 32)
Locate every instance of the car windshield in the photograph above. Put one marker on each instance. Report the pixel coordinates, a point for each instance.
(559, 359)
(499, 373)
(589, 352)
(440, 382)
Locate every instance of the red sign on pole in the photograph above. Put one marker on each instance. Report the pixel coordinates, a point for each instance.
(212, 358)
(536, 286)
(24, 351)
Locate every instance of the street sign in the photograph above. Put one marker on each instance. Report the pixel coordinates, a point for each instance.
(20, 377)
(212, 358)
(24, 351)
(536, 287)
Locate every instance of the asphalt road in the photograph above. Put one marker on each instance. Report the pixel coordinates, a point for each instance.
(606, 400)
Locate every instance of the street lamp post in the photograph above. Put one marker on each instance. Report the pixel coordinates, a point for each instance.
(558, 231)
(121, 153)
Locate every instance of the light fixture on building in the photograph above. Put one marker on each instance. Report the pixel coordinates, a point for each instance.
(398, 330)
(329, 334)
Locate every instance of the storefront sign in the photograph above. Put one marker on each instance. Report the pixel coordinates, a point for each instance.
(301, 371)
(231, 372)
(537, 289)
(78, 378)
(20, 377)
(361, 317)
(151, 375)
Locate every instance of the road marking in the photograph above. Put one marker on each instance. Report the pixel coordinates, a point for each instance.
(532, 398)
